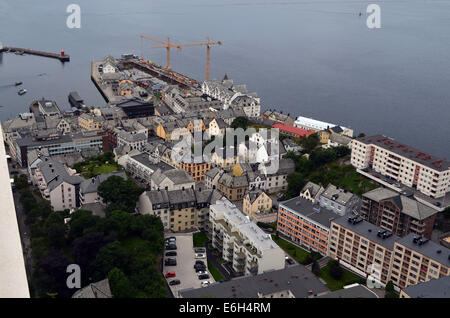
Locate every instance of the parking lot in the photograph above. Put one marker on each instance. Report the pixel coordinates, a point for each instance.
(184, 269)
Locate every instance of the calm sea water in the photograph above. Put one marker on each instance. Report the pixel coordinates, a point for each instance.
(314, 58)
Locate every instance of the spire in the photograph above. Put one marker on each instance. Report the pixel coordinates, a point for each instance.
(225, 77)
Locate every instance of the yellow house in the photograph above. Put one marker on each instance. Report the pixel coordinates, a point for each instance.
(199, 125)
(325, 134)
(255, 203)
(89, 122)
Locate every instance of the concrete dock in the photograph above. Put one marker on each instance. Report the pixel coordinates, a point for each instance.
(61, 57)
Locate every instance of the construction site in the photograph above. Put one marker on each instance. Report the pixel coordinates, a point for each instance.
(132, 76)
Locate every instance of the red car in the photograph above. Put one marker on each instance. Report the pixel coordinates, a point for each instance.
(170, 274)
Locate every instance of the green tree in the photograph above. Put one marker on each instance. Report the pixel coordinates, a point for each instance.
(310, 142)
(55, 230)
(295, 184)
(21, 181)
(335, 270)
(121, 194)
(82, 222)
(315, 268)
(109, 256)
(240, 122)
(120, 285)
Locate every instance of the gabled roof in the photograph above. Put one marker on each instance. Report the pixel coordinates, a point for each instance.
(406, 205)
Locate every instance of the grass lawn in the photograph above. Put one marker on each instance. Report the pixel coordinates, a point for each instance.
(347, 278)
(92, 170)
(214, 272)
(199, 239)
(294, 251)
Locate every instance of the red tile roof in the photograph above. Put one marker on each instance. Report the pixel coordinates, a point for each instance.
(292, 130)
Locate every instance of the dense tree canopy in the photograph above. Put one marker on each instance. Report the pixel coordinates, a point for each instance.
(119, 193)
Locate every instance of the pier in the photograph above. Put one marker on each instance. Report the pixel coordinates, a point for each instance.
(62, 57)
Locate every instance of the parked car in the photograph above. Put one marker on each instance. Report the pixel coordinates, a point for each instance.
(203, 276)
(199, 262)
(174, 282)
(202, 272)
(170, 247)
(170, 262)
(200, 255)
(170, 274)
(171, 239)
(200, 269)
(172, 253)
(200, 266)
(437, 203)
(290, 261)
(199, 250)
(206, 283)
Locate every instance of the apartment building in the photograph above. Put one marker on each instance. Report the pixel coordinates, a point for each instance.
(57, 185)
(258, 206)
(434, 288)
(362, 247)
(417, 260)
(290, 282)
(397, 213)
(232, 186)
(339, 200)
(197, 170)
(427, 173)
(141, 166)
(90, 122)
(179, 210)
(171, 180)
(305, 223)
(242, 242)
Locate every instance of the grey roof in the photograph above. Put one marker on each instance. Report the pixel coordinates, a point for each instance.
(296, 279)
(407, 205)
(356, 291)
(434, 288)
(421, 157)
(312, 187)
(143, 159)
(131, 136)
(312, 211)
(340, 139)
(254, 194)
(176, 176)
(91, 185)
(233, 181)
(55, 173)
(99, 289)
(213, 172)
(336, 194)
(181, 196)
(429, 249)
(368, 230)
(29, 141)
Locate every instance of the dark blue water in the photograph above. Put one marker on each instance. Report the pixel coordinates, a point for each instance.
(315, 58)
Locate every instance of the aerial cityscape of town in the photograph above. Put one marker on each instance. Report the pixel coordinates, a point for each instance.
(183, 188)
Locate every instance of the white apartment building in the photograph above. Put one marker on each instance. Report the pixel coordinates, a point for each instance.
(242, 242)
(57, 185)
(425, 172)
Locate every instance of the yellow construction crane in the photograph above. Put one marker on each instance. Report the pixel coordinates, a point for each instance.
(167, 45)
(208, 44)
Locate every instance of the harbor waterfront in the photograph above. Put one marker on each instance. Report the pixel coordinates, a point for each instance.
(333, 69)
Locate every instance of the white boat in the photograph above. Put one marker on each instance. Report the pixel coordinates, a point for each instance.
(22, 91)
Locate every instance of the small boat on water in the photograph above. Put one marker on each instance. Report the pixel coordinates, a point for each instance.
(18, 83)
(22, 91)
